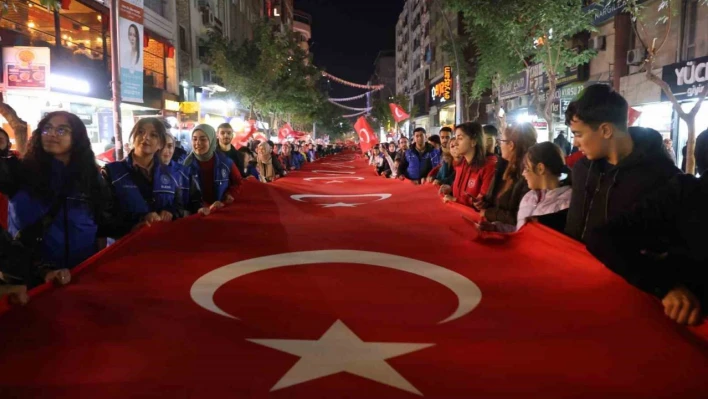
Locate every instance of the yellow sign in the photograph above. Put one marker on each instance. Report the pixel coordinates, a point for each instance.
(442, 91)
(172, 105)
(189, 107)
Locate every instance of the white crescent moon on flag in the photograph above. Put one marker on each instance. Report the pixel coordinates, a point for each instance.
(398, 112)
(467, 292)
(366, 134)
(299, 197)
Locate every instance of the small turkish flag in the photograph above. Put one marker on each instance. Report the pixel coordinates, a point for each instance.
(367, 138)
(632, 116)
(398, 113)
(285, 131)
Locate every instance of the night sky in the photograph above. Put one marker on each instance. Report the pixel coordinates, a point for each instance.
(347, 35)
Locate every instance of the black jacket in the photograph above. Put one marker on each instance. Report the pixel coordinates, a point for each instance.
(236, 156)
(602, 191)
(506, 205)
(677, 213)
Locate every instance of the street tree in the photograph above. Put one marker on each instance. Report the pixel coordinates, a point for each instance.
(270, 74)
(496, 60)
(511, 35)
(653, 40)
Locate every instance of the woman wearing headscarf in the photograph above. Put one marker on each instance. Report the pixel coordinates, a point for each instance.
(145, 191)
(268, 166)
(218, 177)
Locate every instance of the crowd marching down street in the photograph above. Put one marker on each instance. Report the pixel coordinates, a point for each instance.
(623, 198)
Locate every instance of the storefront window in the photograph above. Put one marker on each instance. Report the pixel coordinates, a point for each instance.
(81, 31)
(33, 24)
(154, 67)
(656, 116)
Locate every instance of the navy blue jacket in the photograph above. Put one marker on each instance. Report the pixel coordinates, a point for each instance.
(436, 157)
(222, 173)
(136, 197)
(416, 165)
(71, 238)
(298, 160)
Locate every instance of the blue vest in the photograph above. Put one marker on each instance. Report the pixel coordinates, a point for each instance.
(222, 173)
(180, 172)
(416, 162)
(74, 224)
(164, 187)
(436, 157)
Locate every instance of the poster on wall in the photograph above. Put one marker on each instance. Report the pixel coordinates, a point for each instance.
(130, 30)
(26, 68)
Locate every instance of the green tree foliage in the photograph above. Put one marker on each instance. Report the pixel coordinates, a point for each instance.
(5, 5)
(511, 35)
(272, 76)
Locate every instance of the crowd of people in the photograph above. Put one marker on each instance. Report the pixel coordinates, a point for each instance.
(615, 188)
(58, 208)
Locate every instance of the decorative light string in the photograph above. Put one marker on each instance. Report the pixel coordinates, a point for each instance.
(347, 83)
(355, 97)
(353, 115)
(351, 108)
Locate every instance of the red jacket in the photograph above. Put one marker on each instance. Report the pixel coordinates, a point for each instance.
(471, 181)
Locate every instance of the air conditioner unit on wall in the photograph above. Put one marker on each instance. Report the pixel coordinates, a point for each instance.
(636, 56)
(597, 43)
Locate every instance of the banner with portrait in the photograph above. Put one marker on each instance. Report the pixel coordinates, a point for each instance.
(130, 46)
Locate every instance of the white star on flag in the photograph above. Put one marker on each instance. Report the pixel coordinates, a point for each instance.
(340, 350)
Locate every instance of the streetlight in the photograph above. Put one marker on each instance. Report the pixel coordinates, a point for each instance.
(458, 83)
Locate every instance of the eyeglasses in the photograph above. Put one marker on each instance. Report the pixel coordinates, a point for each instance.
(503, 141)
(61, 130)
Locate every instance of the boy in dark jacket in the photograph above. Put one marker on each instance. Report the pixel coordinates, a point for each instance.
(678, 214)
(621, 166)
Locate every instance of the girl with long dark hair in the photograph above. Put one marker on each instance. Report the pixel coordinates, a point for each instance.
(508, 188)
(475, 169)
(58, 199)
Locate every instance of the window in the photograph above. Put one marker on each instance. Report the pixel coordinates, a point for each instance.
(183, 39)
(691, 29)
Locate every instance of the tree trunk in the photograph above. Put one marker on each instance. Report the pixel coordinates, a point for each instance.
(689, 118)
(548, 109)
(18, 126)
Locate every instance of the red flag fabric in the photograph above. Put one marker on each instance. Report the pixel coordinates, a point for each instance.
(241, 138)
(107, 156)
(344, 282)
(285, 132)
(632, 116)
(398, 113)
(367, 138)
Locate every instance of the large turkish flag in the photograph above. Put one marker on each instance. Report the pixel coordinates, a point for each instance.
(333, 283)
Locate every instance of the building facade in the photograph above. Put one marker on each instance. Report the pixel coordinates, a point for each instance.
(424, 69)
(76, 40)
